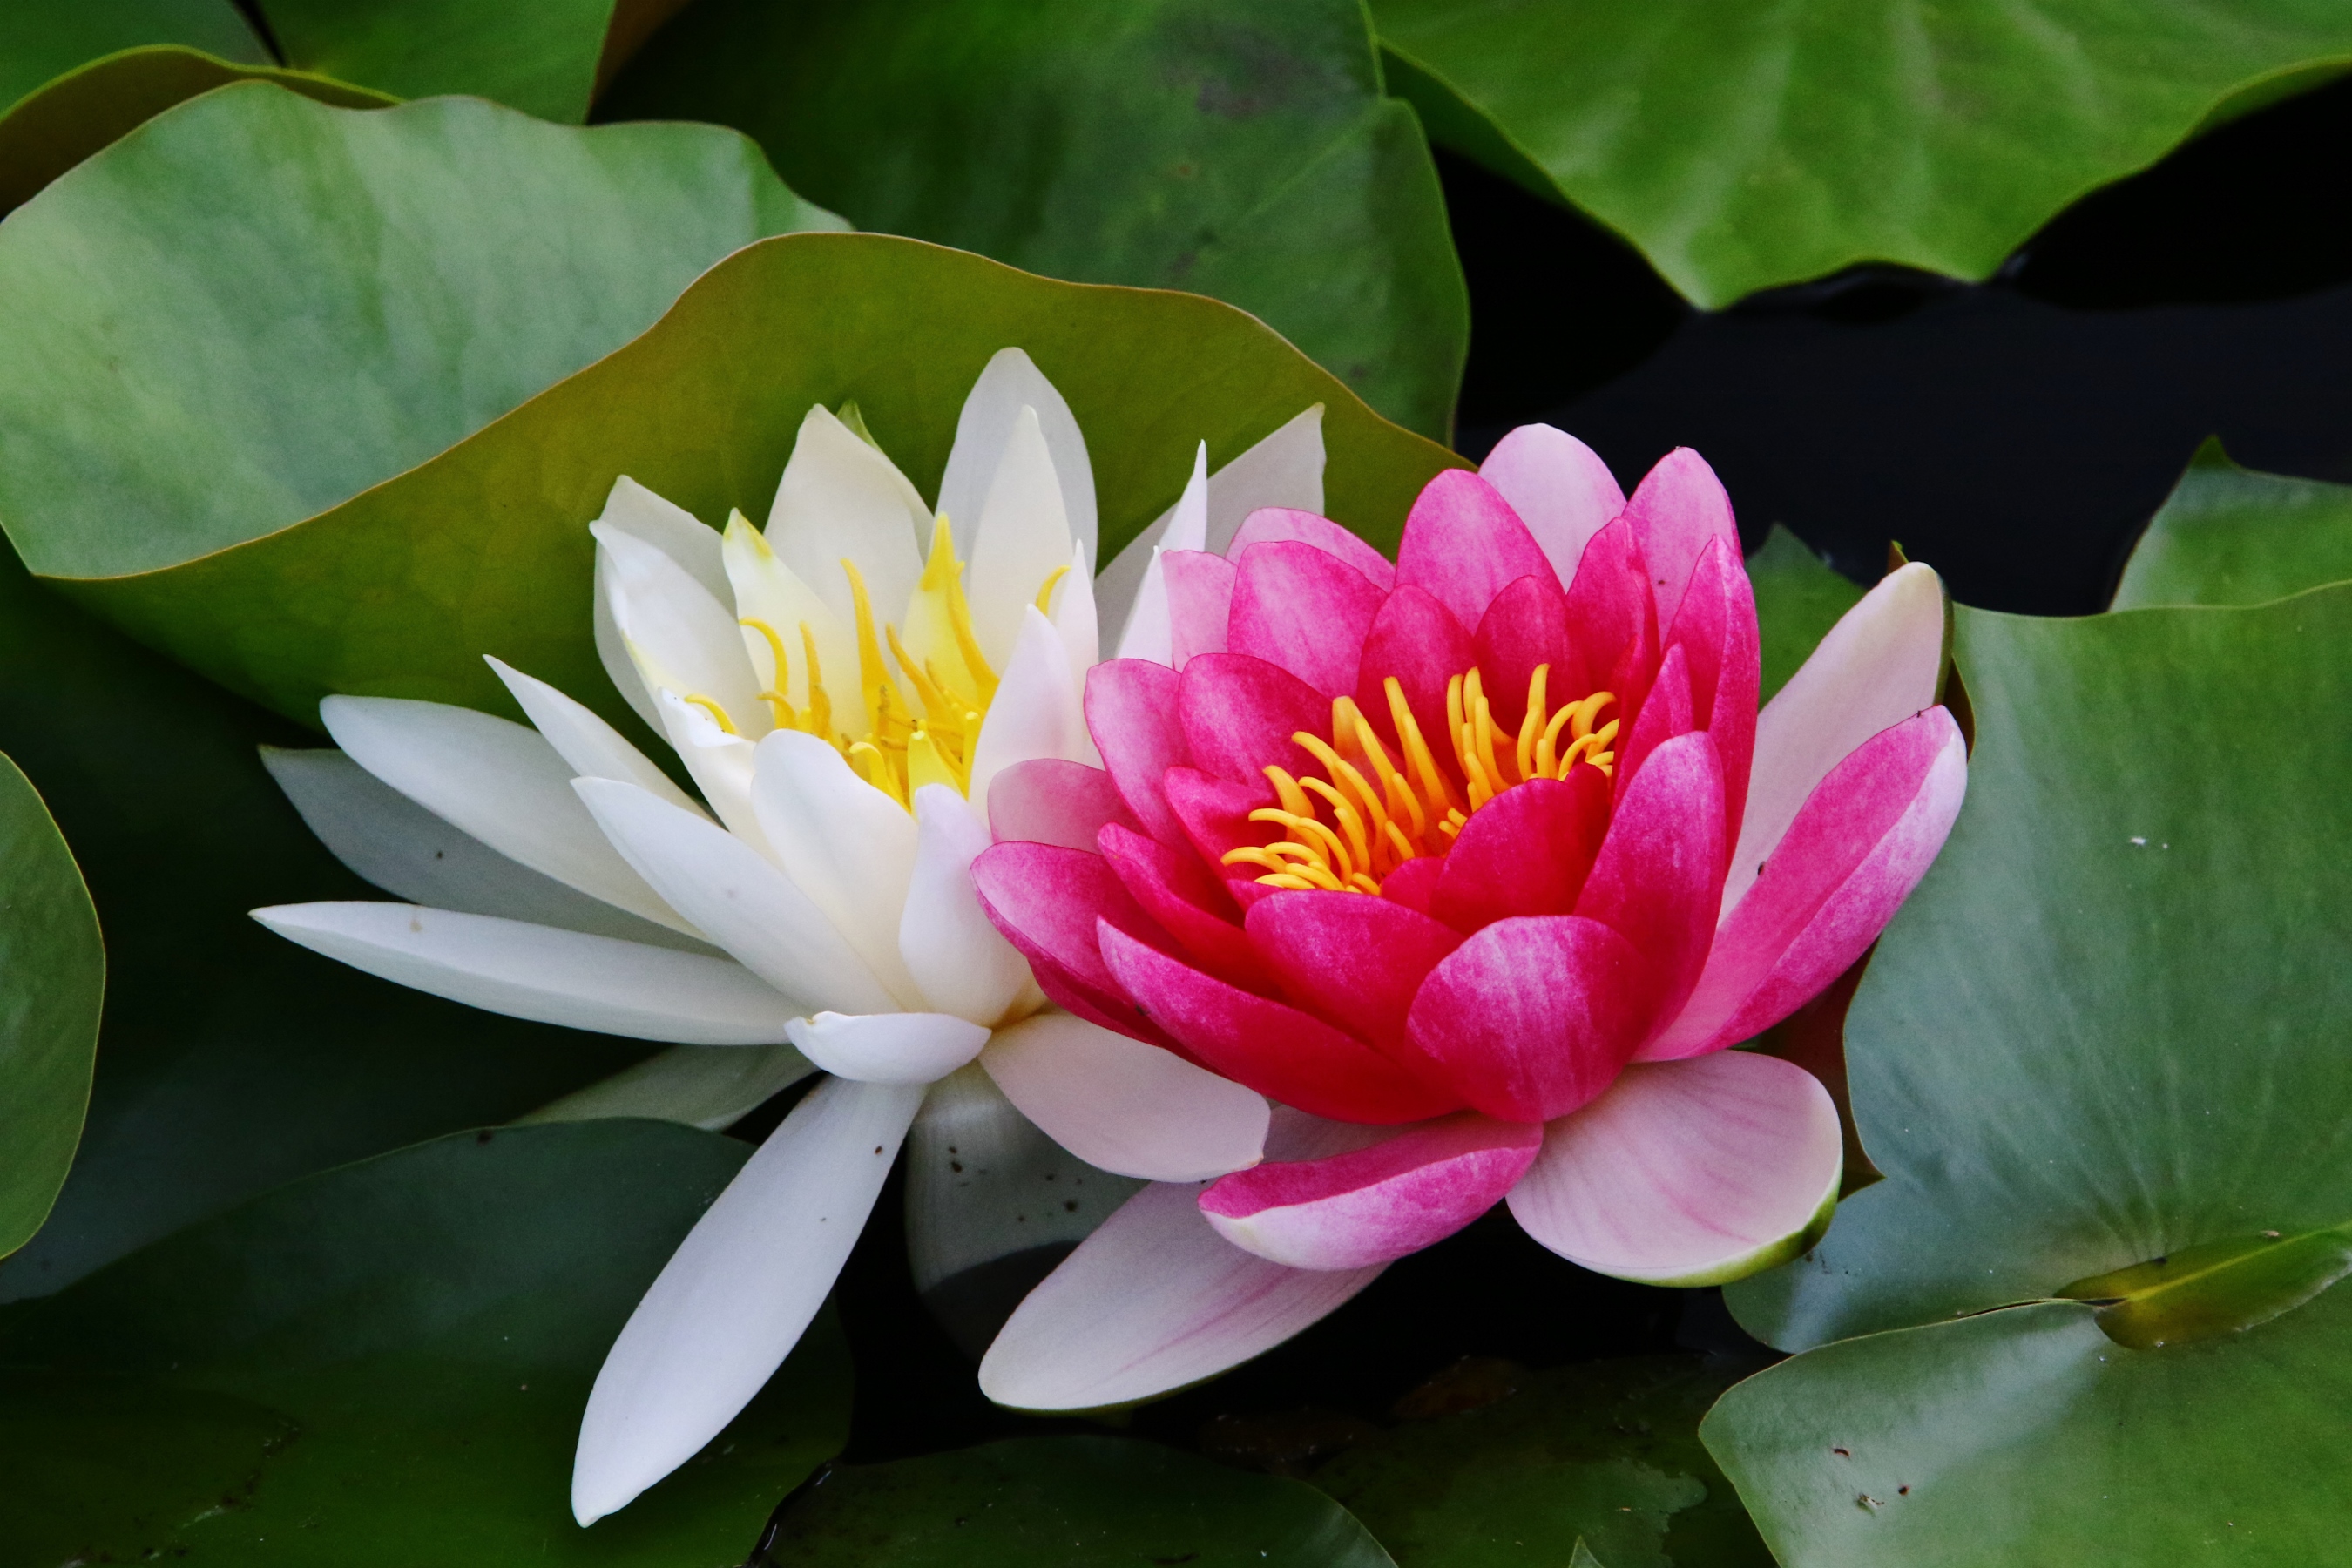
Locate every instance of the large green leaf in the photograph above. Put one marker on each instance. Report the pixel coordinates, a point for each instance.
(2228, 535)
(1064, 1503)
(2105, 1032)
(44, 38)
(1224, 147)
(384, 1365)
(1760, 145)
(229, 1060)
(52, 977)
(1607, 1452)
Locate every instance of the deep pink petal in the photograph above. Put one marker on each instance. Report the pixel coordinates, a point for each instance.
(1306, 611)
(1613, 623)
(1665, 712)
(1350, 958)
(1213, 816)
(1414, 883)
(1694, 1173)
(1525, 627)
(1530, 1019)
(1658, 881)
(1200, 603)
(1273, 1048)
(1419, 641)
(1863, 841)
(1048, 902)
(1049, 801)
(1131, 713)
(1526, 852)
(1465, 545)
(1677, 508)
(1174, 888)
(1716, 627)
(1269, 523)
(1240, 713)
(1351, 1211)
(1155, 1300)
(1559, 486)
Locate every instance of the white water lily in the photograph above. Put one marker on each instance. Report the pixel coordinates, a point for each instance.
(850, 689)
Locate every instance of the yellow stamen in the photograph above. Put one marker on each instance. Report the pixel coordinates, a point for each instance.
(710, 706)
(1046, 594)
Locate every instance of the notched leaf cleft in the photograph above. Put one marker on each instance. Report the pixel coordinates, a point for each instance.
(2214, 1287)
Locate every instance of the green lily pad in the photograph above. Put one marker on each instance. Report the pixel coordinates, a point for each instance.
(52, 979)
(1064, 1503)
(229, 1060)
(1739, 151)
(386, 1364)
(40, 39)
(1606, 1454)
(1222, 147)
(2105, 1031)
(1798, 597)
(2228, 535)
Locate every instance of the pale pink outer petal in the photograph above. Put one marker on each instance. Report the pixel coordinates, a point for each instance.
(1303, 609)
(1153, 1301)
(1128, 1108)
(1132, 713)
(1269, 523)
(1200, 600)
(1047, 800)
(1854, 853)
(1694, 1173)
(1877, 667)
(1677, 508)
(1560, 489)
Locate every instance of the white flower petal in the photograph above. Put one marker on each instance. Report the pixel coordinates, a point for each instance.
(739, 1292)
(772, 593)
(848, 846)
(742, 902)
(888, 1048)
(1024, 535)
(701, 1086)
(630, 508)
(1037, 711)
(1009, 383)
(1123, 1105)
(497, 780)
(524, 971)
(1149, 632)
(841, 500)
(960, 961)
(681, 636)
(1072, 611)
(594, 748)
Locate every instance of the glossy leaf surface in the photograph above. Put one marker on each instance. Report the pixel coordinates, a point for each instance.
(2230, 535)
(1224, 148)
(384, 1364)
(40, 39)
(1780, 143)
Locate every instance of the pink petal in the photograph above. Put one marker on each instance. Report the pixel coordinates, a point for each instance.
(1131, 713)
(1665, 712)
(1200, 602)
(1414, 883)
(1152, 1301)
(1863, 841)
(1559, 486)
(1526, 852)
(1276, 1049)
(1716, 627)
(1269, 523)
(1240, 713)
(1174, 888)
(1303, 610)
(1659, 875)
(1122, 1105)
(1354, 960)
(1677, 508)
(1351, 1211)
(1465, 545)
(1878, 665)
(1049, 801)
(1692, 1172)
(1612, 622)
(1532, 1017)
(1420, 642)
(1525, 627)
(1047, 901)
(1214, 818)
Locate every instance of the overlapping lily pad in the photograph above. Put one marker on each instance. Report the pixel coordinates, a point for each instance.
(2106, 1031)
(1222, 147)
(42, 39)
(1798, 597)
(1770, 145)
(386, 1364)
(2230, 535)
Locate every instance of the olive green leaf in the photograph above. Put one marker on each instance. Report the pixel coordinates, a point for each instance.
(708, 1086)
(1064, 1503)
(383, 1365)
(1604, 1456)
(41, 39)
(1798, 597)
(2228, 535)
(1222, 147)
(52, 978)
(1770, 144)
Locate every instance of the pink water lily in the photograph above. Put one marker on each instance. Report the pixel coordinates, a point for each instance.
(1474, 862)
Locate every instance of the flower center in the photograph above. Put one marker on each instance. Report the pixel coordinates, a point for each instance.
(1368, 814)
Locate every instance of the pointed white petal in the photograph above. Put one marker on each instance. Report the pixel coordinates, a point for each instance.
(848, 846)
(772, 593)
(498, 781)
(701, 1086)
(681, 636)
(1023, 534)
(594, 748)
(1149, 630)
(1125, 1106)
(960, 961)
(1036, 712)
(1153, 1301)
(1072, 611)
(742, 902)
(523, 971)
(841, 500)
(632, 509)
(719, 764)
(739, 1292)
(888, 1048)
(990, 410)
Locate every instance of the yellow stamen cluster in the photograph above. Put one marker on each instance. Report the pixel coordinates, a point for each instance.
(1382, 812)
